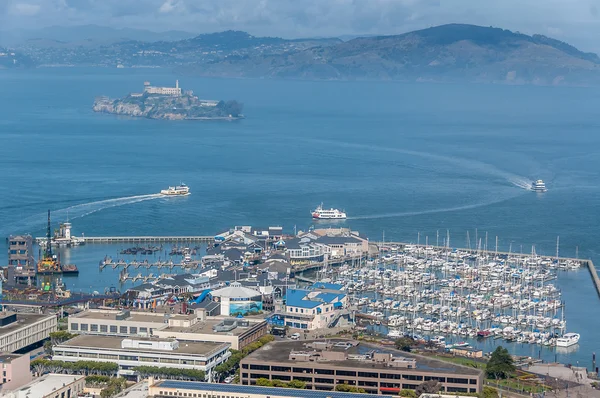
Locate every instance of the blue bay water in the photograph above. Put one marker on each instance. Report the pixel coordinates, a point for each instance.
(401, 159)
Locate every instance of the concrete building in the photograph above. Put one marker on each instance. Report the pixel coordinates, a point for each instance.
(15, 371)
(129, 353)
(51, 386)
(311, 309)
(236, 299)
(18, 330)
(116, 323)
(21, 259)
(238, 332)
(175, 388)
(323, 365)
(175, 91)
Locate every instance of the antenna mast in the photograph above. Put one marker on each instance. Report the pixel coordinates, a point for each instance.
(48, 239)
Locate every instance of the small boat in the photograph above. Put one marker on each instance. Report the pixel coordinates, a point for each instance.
(568, 340)
(538, 186)
(179, 190)
(324, 214)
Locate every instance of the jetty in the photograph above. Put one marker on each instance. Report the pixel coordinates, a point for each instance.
(141, 239)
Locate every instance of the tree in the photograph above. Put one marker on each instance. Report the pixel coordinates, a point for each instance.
(407, 393)
(48, 347)
(500, 365)
(428, 387)
(60, 336)
(299, 384)
(404, 344)
(489, 392)
(263, 382)
(430, 345)
(347, 388)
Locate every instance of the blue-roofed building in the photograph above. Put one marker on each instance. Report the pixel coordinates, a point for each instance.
(171, 388)
(326, 286)
(312, 309)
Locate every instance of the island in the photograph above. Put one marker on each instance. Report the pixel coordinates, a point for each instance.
(171, 103)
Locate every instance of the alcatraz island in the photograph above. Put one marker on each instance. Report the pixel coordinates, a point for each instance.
(170, 103)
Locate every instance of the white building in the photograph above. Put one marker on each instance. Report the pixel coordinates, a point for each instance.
(236, 299)
(51, 386)
(312, 309)
(116, 322)
(132, 352)
(21, 330)
(175, 91)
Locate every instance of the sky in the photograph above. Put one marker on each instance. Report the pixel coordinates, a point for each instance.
(574, 21)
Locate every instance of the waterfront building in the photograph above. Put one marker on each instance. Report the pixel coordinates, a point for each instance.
(304, 250)
(176, 388)
(15, 371)
(323, 365)
(18, 331)
(236, 299)
(51, 386)
(21, 260)
(129, 353)
(156, 293)
(175, 91)
(311, 309)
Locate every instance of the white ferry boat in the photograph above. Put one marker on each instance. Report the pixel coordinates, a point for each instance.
(331, 214)
(568, 340)
(178, 190)
(538, 186)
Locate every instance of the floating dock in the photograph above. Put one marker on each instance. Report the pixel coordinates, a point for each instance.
(141, 239)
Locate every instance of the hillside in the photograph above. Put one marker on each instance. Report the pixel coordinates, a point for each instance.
(444, 53)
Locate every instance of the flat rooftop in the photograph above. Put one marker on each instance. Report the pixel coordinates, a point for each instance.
(206, 327)
(23, 320)
(7, 358)
(114, 343)
(256, 390)
(45, 385)
(279, 351)
(112, 315)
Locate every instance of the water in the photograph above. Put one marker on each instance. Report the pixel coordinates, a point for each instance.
(401, 159)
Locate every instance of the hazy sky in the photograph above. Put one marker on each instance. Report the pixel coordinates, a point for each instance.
(575, 21)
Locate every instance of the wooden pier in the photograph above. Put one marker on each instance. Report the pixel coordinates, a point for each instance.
(141, 239)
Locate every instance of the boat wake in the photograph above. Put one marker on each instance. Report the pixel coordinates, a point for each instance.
(432, 211)
(38, 221)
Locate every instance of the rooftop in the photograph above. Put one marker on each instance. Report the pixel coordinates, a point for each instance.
(279, 351)
(115, 315)
(114, 343)
(235, 290)
(7, 358)
(310, 299)
(259, 391)
(44, 385)
(23, 320)
(206, 327)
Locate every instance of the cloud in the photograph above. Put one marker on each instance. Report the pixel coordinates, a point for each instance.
(576, 21)
(25, 9)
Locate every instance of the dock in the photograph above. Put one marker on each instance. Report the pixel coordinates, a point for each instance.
(140, 239)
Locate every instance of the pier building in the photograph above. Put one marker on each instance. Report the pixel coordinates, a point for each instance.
(311, 309)
(236, 299)
(323, 365)
(171, 388)
(18, 331)
(129, 353)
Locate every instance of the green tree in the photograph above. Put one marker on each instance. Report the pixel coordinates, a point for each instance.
(347, 388)
(428, 387)
(299, 384)
(489, 392)
(404, 344)
(263, 382)
(500, 365)
(407, 393)
(60, 336)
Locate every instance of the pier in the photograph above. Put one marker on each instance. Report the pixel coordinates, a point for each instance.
(140, 239)
(595, 279)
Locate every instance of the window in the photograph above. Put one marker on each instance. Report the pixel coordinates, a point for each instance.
(84, 327)
(457, 381)
(113, 328)
(324, 371)
(259, 367)
(123, 329)
(472, 381)
(367, 374)
(104, 328)
(323, 381)
(133, 330)
(346, 373)
(280, 369)
(143, 330)
(74, 326)
(94, 328)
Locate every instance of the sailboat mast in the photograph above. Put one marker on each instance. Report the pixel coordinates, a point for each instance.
(48, 238)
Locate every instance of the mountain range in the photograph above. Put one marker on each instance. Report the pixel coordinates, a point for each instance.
(454, 52)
